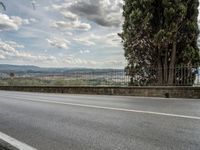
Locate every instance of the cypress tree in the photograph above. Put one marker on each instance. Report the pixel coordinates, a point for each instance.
(159, 35)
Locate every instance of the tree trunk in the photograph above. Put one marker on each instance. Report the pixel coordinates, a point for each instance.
(159, 68)
(172, 64)
(165, 67)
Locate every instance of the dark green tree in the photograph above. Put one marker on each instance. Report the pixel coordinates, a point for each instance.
(12, 75)
(159, 35)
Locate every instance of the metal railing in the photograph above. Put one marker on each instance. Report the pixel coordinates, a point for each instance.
(184, 76)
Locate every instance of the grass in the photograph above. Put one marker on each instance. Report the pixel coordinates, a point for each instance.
(56, 82)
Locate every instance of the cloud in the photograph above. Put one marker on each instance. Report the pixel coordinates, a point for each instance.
(85, 41)
(108, 40)
(74, 62)
(32, 20)
(112, 63)
(69, 15)
(8, 48)
(69, 33)
(12, 44)
(92, 33)
(12, 23)
(9, 23)
(9, 51)
(58, 42)
(66, 25)
(113, 40)
(103, 12)
(84, 51)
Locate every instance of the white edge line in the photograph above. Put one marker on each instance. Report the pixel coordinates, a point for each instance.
(122, 109)
(15, 143)
(112, 108)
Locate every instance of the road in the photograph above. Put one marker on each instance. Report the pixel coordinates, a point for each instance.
(86, 122)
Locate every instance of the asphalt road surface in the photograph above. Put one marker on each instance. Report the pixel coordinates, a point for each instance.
(86, 122)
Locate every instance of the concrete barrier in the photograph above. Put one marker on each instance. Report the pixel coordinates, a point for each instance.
(175, 92)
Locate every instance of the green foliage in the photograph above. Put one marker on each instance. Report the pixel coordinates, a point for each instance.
(12, 75)
(160, 34)
(57, 82)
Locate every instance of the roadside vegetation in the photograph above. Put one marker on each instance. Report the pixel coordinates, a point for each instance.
(58, 82)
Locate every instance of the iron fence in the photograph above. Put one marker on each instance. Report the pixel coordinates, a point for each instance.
(183, 76)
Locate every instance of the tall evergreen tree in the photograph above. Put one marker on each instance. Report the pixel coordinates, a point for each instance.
(160, 34)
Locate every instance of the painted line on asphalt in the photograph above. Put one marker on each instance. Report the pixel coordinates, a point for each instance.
(15, 143)
(109, 108)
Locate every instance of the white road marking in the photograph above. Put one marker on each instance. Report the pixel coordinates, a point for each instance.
(15, 143)
(111, 108)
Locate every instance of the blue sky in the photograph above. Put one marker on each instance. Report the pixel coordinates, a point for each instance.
(62, 33)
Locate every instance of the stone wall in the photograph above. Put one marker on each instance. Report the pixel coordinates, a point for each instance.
(175, 92)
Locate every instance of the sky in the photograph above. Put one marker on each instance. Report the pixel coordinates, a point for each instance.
(62, 33)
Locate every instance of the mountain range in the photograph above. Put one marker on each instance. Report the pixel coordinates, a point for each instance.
(36, 69)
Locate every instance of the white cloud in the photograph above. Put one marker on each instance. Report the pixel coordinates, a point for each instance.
(59, 42)
(9, 23)
(84, 51)
(74, 62)
(13, 44)
(69, 33)
(32, 20)
(6, 48)
(84, 41)
(108, 40)
(115, 63)
(12, 23)
(113, 40)
(69, 15)
(9, 50)
(75, 25)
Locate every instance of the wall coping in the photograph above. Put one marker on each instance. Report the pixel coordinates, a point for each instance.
(128, 87)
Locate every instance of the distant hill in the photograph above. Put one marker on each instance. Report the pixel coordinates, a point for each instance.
(36, 69)
(7, 67)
